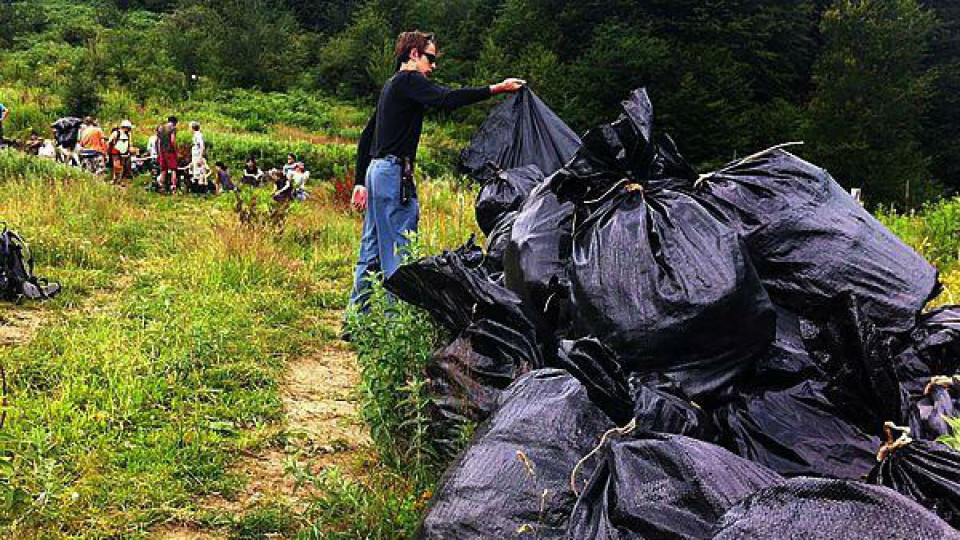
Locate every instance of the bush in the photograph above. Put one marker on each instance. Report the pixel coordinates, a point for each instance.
(80, 94)
(394, 342)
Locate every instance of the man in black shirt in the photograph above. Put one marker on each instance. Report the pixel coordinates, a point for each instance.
(389, 142)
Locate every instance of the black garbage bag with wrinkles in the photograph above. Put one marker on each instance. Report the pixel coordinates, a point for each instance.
(660, 406)
(520, 131)
(927, 472)
(936, 339)
(820, 509)
(663, 487)
(796, 432)
(940, 400)
(466, 378)
(858, 362)
(596, 367)
(931, 348)
(625, 149)
(455, 289)
(504, 192)
(669, 289)
(810, 240)
(787, 362)
(536, 259)
(513, 481)
(496, 246)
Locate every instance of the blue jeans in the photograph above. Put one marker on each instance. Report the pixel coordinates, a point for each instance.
(384, 225)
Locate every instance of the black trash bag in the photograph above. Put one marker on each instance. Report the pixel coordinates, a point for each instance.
(941, 400)
(466, 378)
(858, 362)
(810, 240)
(66, 131)
(936, 339)
(660, 406)
(595, 366)
(913, 373)
(456, 293)
(17, 280)
(536, 259)
(796, 432)
(932, 348)
(504, 192)
(669, 289)
(927, 472)
(496, 246)
(819, 509)
(520, 131)
(663, 487)
(786, 363)
(515, 477)
(625, 149)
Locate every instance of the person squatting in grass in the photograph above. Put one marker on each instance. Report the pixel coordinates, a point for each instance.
(387, 152)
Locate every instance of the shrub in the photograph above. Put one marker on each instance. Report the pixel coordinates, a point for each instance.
(394, 341)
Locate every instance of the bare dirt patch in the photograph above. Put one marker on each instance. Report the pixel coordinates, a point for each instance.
(186, 533)
(18, 324)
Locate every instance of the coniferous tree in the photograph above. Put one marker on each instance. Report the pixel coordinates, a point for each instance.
(871, 90)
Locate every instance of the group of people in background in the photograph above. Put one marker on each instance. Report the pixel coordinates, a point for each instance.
(84, 143)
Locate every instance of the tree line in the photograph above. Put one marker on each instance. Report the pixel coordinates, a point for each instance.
(872, 86)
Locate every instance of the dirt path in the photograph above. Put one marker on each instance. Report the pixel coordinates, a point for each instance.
(321, 429)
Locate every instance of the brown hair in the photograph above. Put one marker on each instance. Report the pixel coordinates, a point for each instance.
(408, 41)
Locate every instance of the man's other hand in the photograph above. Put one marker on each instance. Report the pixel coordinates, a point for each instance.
(508, 85)
(359, 198)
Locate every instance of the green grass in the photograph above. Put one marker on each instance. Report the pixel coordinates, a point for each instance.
(160, 362)
(934, 231)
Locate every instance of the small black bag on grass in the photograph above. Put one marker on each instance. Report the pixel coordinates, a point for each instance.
(17, 280)
(927, 472)
(796, 432)
(670, 289)
(514, 479)
(504, 192)
(663, 487)
(816, 509)
(466, 378)
(536, 259)
(811, 241)
(520, 131)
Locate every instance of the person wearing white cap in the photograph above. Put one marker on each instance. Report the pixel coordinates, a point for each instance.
(120, 152)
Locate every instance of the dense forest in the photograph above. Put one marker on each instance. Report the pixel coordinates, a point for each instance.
(872, 86)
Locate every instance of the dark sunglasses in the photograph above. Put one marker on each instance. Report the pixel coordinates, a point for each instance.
(431, 57)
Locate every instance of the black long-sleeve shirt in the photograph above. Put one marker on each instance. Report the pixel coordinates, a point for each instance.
(394, 129)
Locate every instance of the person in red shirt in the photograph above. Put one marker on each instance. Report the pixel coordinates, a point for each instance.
(167, 153)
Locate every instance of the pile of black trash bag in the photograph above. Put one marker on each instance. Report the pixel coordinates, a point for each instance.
(653, 353)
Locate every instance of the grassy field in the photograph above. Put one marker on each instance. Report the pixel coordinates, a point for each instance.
(160, 362)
